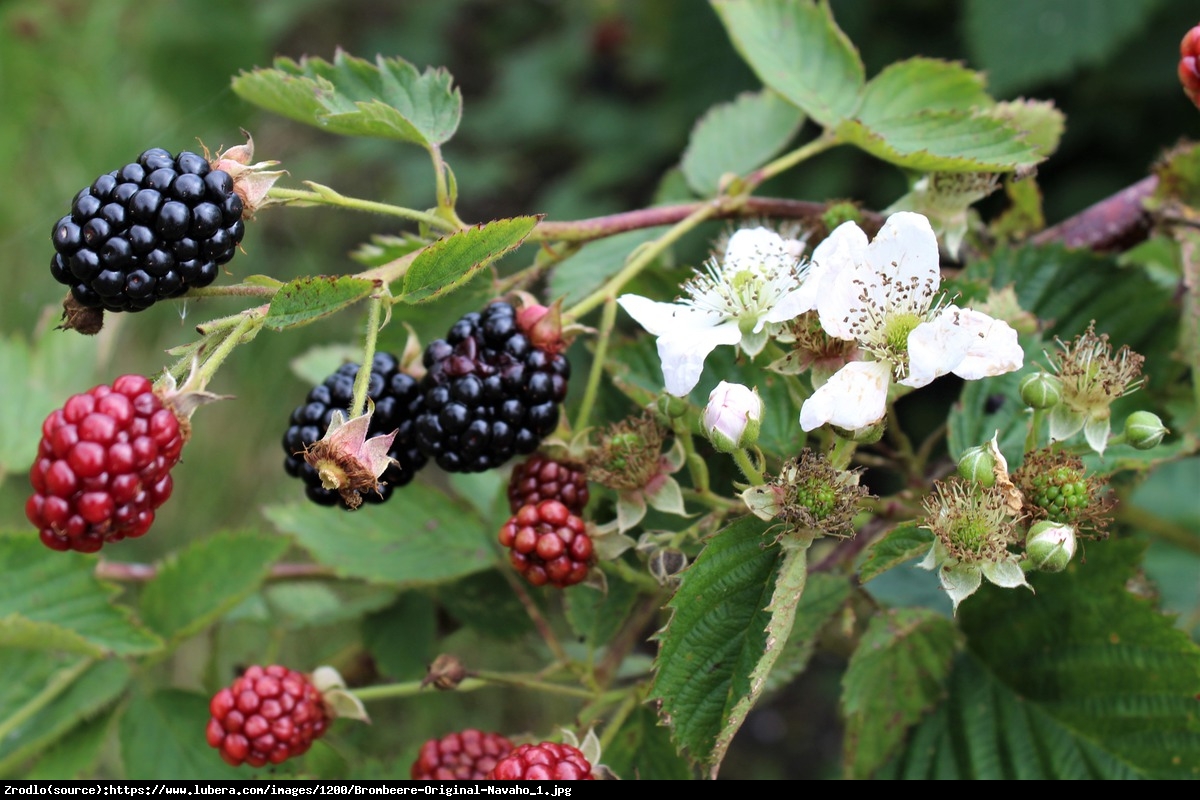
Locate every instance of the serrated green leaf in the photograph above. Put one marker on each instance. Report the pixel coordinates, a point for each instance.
(717, 635)
(903, 543)
(448, 263)
(353, 97)
(1040, 123)
(45, 590)
(908, 651)
(403, 656)
(642, 751)
(162, 736)
(419, 537)
(918, 85)
(795, 48)
(198, 584)
(942, 141)
(24, 675)
(1080, 680)
(486, 603)
(585, 271)
(736, 137)
(824, 595)
(301, 604)
(1025, 42)
(73, 755)
(597, 616)
(312, 297)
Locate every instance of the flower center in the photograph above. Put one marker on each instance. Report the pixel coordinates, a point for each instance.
(744, 293)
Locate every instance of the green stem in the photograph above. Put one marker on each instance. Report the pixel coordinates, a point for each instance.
(1035, 422)
(824, 142)
(328, 197)
(363, 379)
(58, 684)
(753, 473)
(607, 318)
(522, 682)
(252, 320)
(235, 290)
(841, 452)
(224, 323)
(613, 725)
(410, 689)
(643, 258)
(535, 615)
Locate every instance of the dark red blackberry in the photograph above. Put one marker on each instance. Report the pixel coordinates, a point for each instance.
(488, 392)
(541, 478)
(466, 755)
(104, 465)
(548, 761)
(148, 231)
(268, 715)
(396, 398)
(548, 544)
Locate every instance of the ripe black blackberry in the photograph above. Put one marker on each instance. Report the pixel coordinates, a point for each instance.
(148, 231)
(396, 398)
(489, 392)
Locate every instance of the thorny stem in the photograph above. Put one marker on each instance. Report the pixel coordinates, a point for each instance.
(520, 681)
(607, 318)
(251, 321)
(388, 691)
(535, 616)
(363, 379)
(328, 197)
(236, 290)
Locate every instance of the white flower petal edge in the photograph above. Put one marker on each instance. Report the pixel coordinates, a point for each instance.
(968, 343)
(840, 251)
(686, 336)
(855, 397)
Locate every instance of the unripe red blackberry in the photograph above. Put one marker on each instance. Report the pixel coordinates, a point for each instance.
(268, 715)
(540, 477)
(548, 544)
(464, 755)
(104, 465)
(548, 761)
(489, 393)
(397, 399)
(1189, 64)
(148, 231)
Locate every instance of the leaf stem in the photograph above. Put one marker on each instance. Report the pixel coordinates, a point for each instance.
(608, 318)
(824, 142)
(323, 195)
(752, 471)
(251, 321)
(58, 683)
(363, 379)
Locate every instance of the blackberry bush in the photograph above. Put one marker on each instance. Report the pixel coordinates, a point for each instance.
(104, 465)
(489, 392)
(148, 231)
(268, 715)
(397, 399)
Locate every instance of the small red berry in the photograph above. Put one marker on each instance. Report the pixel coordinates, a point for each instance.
(548, 544)
(268, 715)
(1189, 64)
(469, 754)
(103, 465)
(548, 761)
(542, 478)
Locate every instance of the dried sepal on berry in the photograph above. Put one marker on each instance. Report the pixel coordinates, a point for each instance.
(810, 497)
(1056, 486)
(251, 181)
(347, 461)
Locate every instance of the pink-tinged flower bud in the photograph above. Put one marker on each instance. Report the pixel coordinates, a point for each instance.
(1050, 546)
(732, 417)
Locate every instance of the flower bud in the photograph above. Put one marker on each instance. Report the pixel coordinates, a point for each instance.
(732, 417)
(1041, 390)
(978, 465)
(1144, 430)
(1189, 64)
(672, 407)
(666, 563)
(1050, 546)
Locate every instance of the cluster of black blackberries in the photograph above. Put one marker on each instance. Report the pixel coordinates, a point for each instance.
(487, 394)
(148, 231)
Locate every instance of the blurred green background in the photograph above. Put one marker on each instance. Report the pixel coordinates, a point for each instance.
(571, 109)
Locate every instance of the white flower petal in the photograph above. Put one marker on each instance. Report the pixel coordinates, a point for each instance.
(968, 343)
(757, 249)
(793, 304)
(683, 353)
(1007, 573)
(994, 347)
(906, 249)
(665, 318)
(855, 397)
(960, 581)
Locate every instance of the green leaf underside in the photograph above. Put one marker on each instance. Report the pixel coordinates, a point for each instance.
(1081, 680)
(402, 657)
(389, 99)
(824, 595)
(24, 675)
(942, 141)
(798, 50)
(198, 584)
(162, 736)
(736, 137)
(75, 753)
(419, 537)
(901, 544)
(918, 85)
(908, 651)
(52, 600)
(642, 750)
(313, 297)
(450, 262)
(304, 603)
(717, 635)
